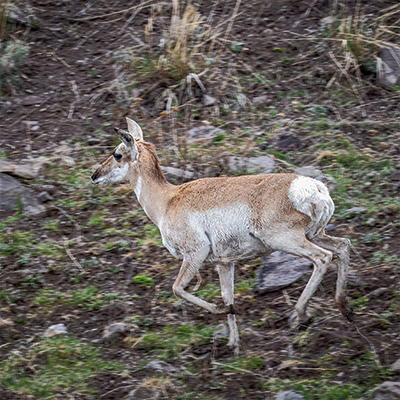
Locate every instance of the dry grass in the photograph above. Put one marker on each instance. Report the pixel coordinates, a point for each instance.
(4, 10)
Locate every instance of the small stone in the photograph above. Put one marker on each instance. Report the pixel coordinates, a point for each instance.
(378, 292)
(206, 132)
(44, 197)
(114, 332)
(354, 210)
(221, 333)
(395, 367)
(94, 141)
(390, 74)
(142, 393)
(261, 100)
(31, 100)
(54, 330)
(67, 160)
(260, 165)
(289, 395)
(161, 366)
(49, 188)
(208, 100)
(13, 194)
(286, 141)
(327, 21)
(387, 391)
(177, 175)
(395, 176)
(329, 227)
(309, 171)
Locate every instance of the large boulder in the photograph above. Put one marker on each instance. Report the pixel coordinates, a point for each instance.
(390, 73)
(14, 194)
(387, 391)
(279, 270)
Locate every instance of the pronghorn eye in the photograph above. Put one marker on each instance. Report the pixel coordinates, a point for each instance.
(117, 156)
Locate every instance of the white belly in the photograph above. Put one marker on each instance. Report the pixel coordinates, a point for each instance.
(227, 230)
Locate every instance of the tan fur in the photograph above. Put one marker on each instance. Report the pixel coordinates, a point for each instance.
(227, 219)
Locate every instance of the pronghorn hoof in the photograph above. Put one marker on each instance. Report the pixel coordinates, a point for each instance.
(348, 314)
(235, 348)
(295, 322)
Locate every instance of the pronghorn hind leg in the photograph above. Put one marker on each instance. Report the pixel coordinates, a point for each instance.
(295, 242)
(340, 248)
(199, 281)
(226, 276)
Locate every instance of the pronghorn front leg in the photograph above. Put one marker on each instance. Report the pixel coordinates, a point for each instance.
(189, 268)
(226, 277)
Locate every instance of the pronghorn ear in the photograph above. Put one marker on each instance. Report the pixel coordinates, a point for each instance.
(134, 129)
(126, 138)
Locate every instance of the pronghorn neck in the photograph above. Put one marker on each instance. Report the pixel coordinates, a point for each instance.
(149, 184)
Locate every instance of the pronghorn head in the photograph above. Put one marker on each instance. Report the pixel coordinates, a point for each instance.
(126, 154)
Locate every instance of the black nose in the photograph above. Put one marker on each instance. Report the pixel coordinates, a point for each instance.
(95, 175)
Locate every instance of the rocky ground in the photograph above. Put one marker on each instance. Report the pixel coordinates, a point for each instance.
(86, 303)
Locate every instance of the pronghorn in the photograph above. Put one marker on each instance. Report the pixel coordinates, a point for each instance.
(227, 219)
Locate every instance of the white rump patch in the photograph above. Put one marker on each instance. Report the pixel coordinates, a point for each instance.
(311, 197)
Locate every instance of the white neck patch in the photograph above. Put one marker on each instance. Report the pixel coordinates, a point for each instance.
(138, 188)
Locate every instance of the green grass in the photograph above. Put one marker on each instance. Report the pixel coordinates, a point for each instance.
(143, 280)
(173, 339)
(88, 298)
(53, 367)
(313, 389)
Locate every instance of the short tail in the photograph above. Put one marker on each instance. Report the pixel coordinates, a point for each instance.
(311, 197)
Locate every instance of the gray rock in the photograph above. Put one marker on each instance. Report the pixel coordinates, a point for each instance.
(161, 366)
(206, 132)
(387, 391)
(208, 100)
(289, 395)
(177, 175)
(49, 189)
(261, 100)
(309, 171)
(286, 141)
(355, 210)
(390, 74)
(114, 332)
(329, 227)
(378, 292)
(327, 22)
(260, 165)
(328, 181)
(395, 176)
(221, 333)
(44, 197)
(142, 393)
(54, 330)
(395, 367)
(30, 170)
(22, 15)
(13, 193)
(279, 270)
(31, 100)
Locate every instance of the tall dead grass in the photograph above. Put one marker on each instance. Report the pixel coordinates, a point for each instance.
(4, 10)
